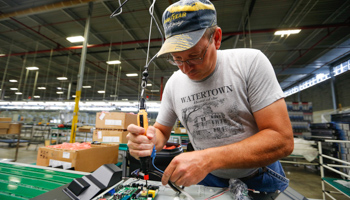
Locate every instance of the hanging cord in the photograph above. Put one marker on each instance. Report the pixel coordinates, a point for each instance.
(145, 72)
(114, 14)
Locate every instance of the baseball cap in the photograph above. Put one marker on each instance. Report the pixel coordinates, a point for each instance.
(184, 24)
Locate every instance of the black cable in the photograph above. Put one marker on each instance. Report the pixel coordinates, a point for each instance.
(120, 7)
(171, 184)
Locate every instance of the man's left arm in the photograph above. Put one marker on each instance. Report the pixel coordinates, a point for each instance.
(272, 142)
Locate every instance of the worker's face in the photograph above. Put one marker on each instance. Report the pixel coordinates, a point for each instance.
(203, 47)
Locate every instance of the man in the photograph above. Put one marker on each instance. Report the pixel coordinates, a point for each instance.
(229, 101)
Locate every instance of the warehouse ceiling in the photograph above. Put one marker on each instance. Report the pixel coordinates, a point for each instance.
(34, 32)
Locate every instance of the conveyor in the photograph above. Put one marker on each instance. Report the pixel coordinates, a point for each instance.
(23, 181)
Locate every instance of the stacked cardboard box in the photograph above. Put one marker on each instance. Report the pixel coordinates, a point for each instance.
(6, 127)
(179, 128)
(111, 126)
(86, 160)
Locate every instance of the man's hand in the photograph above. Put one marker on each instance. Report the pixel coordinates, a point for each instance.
(141, 145)
(187, 169)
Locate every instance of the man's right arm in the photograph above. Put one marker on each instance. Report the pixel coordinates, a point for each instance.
(162, 135)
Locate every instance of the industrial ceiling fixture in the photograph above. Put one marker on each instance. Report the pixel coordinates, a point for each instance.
(86, 86)
(62, 78)
(75, 39)
(59, 92)
(287, 32)
(131, 74)
(101, 91)
(13, 81)
(113, 62)
(41, 88)
(32, 68)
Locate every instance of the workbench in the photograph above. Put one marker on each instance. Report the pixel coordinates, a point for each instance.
(23, 181)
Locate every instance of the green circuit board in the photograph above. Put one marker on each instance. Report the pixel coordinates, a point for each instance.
(134, 192)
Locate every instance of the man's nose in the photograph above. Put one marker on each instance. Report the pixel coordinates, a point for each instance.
(186, 67)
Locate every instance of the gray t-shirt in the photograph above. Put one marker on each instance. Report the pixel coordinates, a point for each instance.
(219, 110)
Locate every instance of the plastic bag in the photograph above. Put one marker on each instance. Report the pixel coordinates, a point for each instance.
(238, 189)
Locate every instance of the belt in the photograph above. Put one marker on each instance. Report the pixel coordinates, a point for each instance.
(258, 172)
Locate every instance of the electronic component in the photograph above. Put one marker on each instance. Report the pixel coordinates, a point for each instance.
(135, 192)
(152, 193)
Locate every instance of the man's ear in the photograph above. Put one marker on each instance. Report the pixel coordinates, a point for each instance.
(217, 37)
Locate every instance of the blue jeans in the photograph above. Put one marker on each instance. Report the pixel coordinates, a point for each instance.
(271, 180)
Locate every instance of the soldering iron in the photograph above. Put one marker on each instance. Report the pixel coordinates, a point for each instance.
(142, 121)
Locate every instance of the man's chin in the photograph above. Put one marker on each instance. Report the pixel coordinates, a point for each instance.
(193, 76)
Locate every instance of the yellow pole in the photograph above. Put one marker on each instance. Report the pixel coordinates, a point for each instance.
(75, 117)
(80, 76)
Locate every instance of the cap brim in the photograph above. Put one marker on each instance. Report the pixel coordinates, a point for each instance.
(181, 42)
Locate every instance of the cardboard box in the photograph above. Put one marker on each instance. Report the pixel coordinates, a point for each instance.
(180, 130)
(5, 119)
(110, 136)
(86, 129)
(114, 120)
(3, 130)
(15, 128)
(4, 125)
(86, 160)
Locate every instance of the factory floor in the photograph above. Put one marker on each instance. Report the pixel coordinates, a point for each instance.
(305, 180)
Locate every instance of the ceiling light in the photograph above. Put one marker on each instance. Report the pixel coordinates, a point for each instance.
(87, 86)
(287, 32)
(113, 95)
(13, 88)
(73, 96)
(132, 74)
(59, 88)
(41, 88)
(37, 97)
(101, 91)
(75, 39)
(18, 93)
(154, 90)
(13, 81)
(113, 62)
(62, 78)
(59, 92)
(2, 54)
(149, 84)
(32, 68)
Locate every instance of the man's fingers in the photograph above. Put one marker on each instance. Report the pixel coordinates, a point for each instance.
(136, 130)
(151, 131)
(137, 153)
(168, 172)
(140, 146)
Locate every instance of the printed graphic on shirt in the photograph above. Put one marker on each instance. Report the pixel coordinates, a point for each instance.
(211, 121)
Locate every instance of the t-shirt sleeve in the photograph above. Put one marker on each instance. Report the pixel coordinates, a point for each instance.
(263, 87)
(166, 115)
